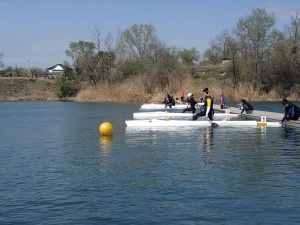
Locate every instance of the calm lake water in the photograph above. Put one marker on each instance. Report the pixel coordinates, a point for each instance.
(56, 168)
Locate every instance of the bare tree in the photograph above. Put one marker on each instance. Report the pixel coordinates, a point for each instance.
(97, 37)
(108, 42)
(293, 35)
(1, 62)
(78, 50)
(139, 42)
(255, 34)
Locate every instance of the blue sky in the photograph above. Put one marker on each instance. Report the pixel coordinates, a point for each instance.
(39, 31)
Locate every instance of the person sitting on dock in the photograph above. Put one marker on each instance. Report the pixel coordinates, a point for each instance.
(208, 106)
(168, 101)
(292, 112)
(192, 103)
(181, 96)
(247, 107)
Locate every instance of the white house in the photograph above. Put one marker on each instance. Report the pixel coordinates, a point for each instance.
(55, 71)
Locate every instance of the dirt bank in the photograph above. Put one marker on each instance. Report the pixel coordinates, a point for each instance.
(27, 89)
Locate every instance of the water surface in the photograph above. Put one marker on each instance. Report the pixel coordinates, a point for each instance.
(56, 168)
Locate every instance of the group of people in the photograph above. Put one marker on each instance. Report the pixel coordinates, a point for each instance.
(205, 105)
(292, 111)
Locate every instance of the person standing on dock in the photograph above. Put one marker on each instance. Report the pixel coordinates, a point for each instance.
(292, 112)
(222, 101)
(247, 107)
(208, 106)
(192, 103)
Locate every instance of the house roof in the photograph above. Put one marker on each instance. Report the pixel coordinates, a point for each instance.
(54, 67)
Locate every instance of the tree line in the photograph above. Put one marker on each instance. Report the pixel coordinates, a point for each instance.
(260, 56)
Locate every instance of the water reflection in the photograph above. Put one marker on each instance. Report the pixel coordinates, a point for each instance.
(208, 139)
(208, 134)
(263, 132)
(105, 144)
(291, 134)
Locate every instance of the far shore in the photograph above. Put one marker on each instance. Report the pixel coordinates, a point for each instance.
(40, 89)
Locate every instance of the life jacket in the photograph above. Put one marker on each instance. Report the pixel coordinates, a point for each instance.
(205, 102)
(181, 94)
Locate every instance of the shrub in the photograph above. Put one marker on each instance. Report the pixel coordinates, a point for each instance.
(67, 87)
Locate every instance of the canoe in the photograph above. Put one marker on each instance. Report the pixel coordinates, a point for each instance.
(197, 123)
(168, 115)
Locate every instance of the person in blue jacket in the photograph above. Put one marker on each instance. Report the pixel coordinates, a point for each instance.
(292, 112)
(222, 100)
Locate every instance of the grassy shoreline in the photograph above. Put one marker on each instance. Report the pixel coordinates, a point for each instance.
(40, 89)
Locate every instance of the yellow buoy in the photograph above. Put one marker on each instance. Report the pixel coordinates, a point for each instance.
(106, 129)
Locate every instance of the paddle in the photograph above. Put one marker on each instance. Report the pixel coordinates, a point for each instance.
(212, 123)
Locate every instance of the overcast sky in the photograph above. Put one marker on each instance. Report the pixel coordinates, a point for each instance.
(36, 33)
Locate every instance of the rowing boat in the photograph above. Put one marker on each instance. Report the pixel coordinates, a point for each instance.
(169, 115)
(197, 123)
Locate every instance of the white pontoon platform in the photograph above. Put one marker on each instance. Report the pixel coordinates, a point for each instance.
(170, 115)
(196, 123)
(161, 106)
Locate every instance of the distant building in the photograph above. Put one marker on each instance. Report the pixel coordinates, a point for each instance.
(55, 71)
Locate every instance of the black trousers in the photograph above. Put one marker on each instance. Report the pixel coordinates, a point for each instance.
(203, 113)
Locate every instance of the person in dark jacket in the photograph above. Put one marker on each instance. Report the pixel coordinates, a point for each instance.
(192, 103)
(292, 112)
(168, 101)
(247, 107)
(208, 107)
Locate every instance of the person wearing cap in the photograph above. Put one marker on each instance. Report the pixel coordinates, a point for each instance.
(192, 103)
(208, 106)
(247, 107)
(292, 112)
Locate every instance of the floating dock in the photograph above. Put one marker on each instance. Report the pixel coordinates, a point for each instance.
(273, 117)
(160, 106)
(257, 114)
(170, 115)
(197, 123)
